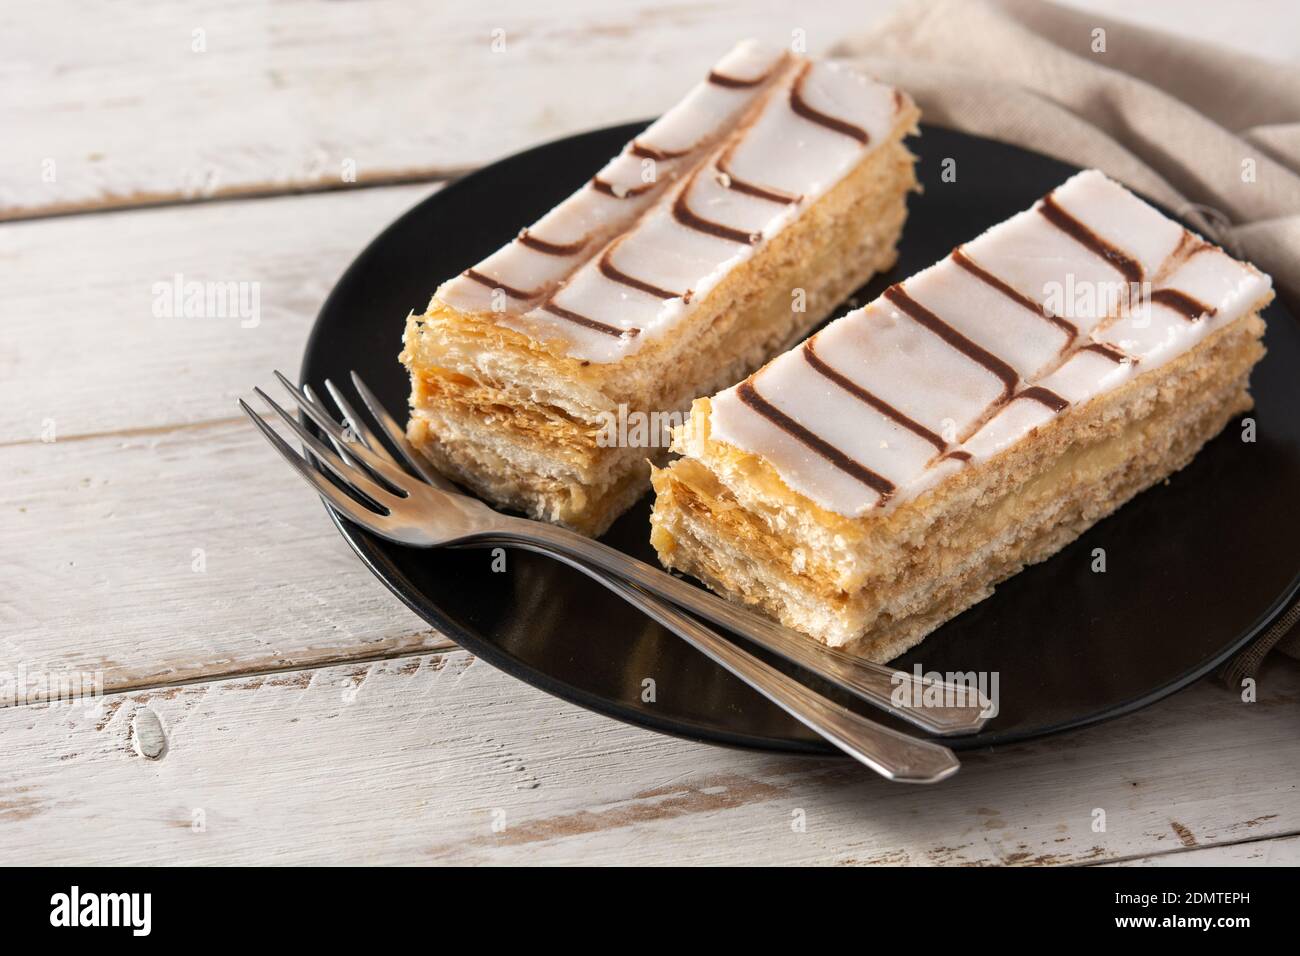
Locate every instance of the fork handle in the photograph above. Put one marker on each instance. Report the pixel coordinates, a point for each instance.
(963, 711)
(891, 754)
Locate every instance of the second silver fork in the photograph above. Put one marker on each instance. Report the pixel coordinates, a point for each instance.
(406, 504)
(949, 709)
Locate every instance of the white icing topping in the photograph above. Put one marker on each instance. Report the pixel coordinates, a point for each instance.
(1013, 422)
(1045, 265)
(791, 384)
(659, 238)
(708, 107)
(1020, 337)
(889, 350)
(784, 151)
(1086, 374)
(1121, 219)
(1153, 336)
(936, 355)
(1215, 278)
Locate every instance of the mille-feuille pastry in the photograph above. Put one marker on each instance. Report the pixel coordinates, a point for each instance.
(717, 238)
(884, 475)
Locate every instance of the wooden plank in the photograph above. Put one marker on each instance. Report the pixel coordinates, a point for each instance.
(414, 760)
(1278, 851)
(93, 342)
(111, 105)
(152, 468)
(158, 101)
(166, 556)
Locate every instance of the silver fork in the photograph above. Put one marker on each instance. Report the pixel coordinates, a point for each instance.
(960, 709)
(445, 516)
(424, 513)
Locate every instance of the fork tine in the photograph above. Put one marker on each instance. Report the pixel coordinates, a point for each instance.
(357, 423)
(340, 447)
(390, 472)
(336, 498)
(355, 477)
(362, 432)
(413, 458)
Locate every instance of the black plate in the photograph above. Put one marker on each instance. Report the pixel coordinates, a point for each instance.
(1195, 567)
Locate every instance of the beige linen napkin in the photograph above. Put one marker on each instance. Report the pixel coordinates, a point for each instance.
(1212, 134)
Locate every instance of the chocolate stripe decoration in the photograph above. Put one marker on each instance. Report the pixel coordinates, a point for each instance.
(1182, 303)
(732, 181)
(1189, 245)
(1044, 396)
(1015, 295)
(857, 391)
(683, 213)
(801, 108)
(735, 82)
(613, 272)
(749, 395)
(491, 283)
(1109, 351)
(956, 455)
(601, 186)
(551, 248)
(1062, 220)
(652, 152)
(939, 327)
(582, 320)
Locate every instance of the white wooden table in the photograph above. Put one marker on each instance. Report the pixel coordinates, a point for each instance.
(263, 698)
